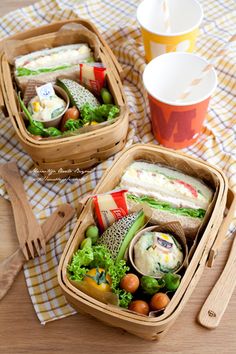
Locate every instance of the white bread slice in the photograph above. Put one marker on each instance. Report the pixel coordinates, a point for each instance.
(51, 57)
(166, 184)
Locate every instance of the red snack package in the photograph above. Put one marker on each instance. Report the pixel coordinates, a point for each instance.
(110, 207)
(92, 76)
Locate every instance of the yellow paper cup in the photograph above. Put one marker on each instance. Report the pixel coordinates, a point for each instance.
(185, 17)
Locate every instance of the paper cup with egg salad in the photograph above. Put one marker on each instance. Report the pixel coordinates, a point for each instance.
(157, 250)
(50, 110)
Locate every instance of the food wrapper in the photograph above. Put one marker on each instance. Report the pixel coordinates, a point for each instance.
(110, 207)
(173, 228)
(30, 90)
(92, 76)
(71, 33)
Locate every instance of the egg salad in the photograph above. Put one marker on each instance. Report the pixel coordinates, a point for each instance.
(156, 253)
(45, 109)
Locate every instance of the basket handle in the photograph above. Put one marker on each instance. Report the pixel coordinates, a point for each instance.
(221, 236)
(115, 61)
(2, 102)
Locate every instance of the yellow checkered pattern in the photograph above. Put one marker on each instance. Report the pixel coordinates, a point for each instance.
(116, 19)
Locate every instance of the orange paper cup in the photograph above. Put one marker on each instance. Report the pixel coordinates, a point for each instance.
(185, 17)
(177, 123)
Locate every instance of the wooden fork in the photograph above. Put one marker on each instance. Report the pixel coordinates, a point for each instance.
(29, 232)
(11, 266)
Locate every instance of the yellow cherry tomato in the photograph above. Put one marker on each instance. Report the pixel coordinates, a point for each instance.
(98, 278)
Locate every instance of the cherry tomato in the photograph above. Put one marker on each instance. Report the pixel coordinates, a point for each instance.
(37, 137)
(159, 301)
(139, 306)
(130, 283)
(71, 113)
(98, 278)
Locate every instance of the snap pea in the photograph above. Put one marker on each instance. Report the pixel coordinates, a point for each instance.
(52, 131)
(34, 130)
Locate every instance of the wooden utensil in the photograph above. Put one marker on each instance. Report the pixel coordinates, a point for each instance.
(11, 266)
(218, 299)
(221, 237)
(29, 232)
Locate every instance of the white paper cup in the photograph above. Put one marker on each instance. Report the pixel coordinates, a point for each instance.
(54, 122)
(177, 123)
(185, 17)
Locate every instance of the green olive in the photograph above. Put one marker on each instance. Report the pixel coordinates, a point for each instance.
(106, 96)
(87, 242)
(92, 232)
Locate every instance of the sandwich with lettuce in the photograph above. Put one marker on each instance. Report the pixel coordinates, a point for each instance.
(171, 194)
(47, 64)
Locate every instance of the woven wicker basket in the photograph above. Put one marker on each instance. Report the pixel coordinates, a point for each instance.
(147, 327)
(74, 152)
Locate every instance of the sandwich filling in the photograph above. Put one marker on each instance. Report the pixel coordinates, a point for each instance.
(166, 189)
(50, 60)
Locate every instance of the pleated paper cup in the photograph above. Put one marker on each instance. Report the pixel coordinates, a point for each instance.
(173, 29)
(177, 123)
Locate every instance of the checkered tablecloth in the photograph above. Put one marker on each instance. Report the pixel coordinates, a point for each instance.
(116, 19)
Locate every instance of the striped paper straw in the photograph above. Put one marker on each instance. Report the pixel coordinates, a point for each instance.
(166, 13)
(207, 68)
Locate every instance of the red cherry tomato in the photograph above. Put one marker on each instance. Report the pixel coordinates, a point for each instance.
(36, 137)
(139, 306)
(71, 113)
(130, 283)
(159, 301)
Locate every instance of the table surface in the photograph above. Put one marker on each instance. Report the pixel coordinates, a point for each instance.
(21, 332)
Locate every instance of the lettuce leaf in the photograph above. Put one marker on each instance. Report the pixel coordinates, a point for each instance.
(98, 114)
(156, 204)
(81, 259)
(72, 125)
(29, 72)
(99, 256)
